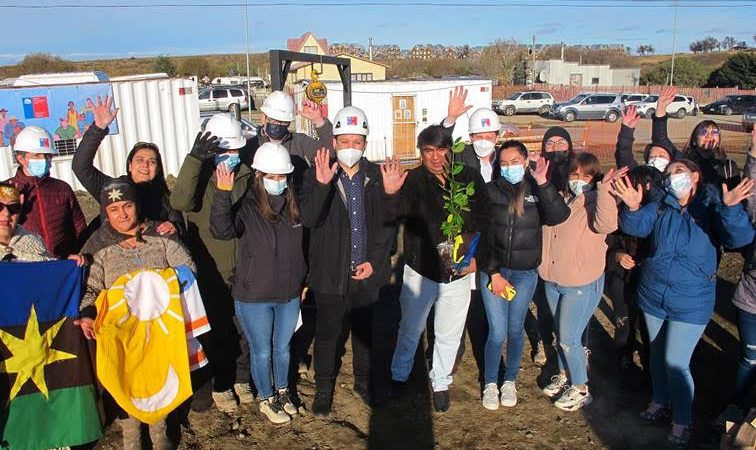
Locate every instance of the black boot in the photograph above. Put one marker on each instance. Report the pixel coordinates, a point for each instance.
(441, 401)
(321, 405)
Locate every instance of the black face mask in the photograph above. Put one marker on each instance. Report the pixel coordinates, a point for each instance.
(559, 158)
(275, 131)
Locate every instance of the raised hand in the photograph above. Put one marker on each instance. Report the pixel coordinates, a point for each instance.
(224, 177)
(632, 196)
(205, 146)
(540, 171)
(313, 112)
(615, 174)
(739, 193)
(104, 113)
(665, 98)
(457, 107)
(393, 175)
(630, 116)
(323, 171)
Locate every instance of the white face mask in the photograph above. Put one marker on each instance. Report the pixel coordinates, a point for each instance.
(274, 187)
(579, 187)
(679, 184)
(658, 163)
(349, 156)
(483, 148)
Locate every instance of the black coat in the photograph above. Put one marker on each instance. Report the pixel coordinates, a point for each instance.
(515, 242)
(324, 213)
(420, 202)
(270, 264)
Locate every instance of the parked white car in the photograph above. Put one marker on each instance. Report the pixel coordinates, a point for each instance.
(680, 107)
(630, 99)
(219, 98)
(525, 102)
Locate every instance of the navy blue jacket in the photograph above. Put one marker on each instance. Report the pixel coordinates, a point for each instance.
(678, 279)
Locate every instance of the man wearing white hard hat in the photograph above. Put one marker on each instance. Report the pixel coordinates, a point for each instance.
(278, 113)
(50, 208)
(193, 194)
(342, 205)
(269, 280)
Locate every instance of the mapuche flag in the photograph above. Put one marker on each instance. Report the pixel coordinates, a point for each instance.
(46, 379)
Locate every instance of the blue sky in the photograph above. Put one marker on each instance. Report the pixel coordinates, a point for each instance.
(105, 33)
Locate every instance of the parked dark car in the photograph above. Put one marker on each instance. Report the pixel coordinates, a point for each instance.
(731, 104)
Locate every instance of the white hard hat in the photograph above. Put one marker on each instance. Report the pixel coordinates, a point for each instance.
(272, 158)
(228, 130)
(279, 106)
(34, 140)
(484, 120)
(350, 120)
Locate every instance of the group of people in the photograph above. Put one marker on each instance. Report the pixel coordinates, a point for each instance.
(262, 221)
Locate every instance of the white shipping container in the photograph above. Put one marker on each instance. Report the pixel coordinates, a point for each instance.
(398, 111)
(161, 111)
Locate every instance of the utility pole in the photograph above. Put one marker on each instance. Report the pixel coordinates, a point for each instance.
(674, 38)
(370, 48)
(533, 70)
(246, 39)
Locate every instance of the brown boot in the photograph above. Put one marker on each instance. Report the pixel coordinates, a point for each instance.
(159, 436)
(131, 429)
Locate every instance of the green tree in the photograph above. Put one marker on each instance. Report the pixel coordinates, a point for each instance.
(195, 65)
(45, 63)
(688, 72)
(739, 70)
(165, 65)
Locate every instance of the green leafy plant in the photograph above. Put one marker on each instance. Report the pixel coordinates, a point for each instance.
(457, 195)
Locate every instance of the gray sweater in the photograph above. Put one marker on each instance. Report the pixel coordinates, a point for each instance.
(113, 261)
(745, 294)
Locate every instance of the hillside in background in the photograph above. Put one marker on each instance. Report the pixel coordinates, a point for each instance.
(230, 64)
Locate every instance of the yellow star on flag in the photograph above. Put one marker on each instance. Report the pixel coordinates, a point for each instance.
(31, 354)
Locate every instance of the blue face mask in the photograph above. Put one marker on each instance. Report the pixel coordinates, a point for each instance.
(274, 187)
(231, 160)
(275, 131)
(579, 187)
(513, 174)
(39, 167)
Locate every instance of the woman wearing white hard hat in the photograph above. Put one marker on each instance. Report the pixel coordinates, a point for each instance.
(193, 194)
(267, 285)
(342, 206)
(50, 208)
(278, 111)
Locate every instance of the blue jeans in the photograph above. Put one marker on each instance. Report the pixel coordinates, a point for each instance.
(572, 308)
(747, 362)
(672, 345)
(451, 301)
(268, 328)
(506, 321)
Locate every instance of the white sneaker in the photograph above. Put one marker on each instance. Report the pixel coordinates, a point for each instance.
(284, 399)
(244, 392)
(572, 399)
(225, 401)
(558, 382)
(274, 411)
(508, 394)
(491, 397)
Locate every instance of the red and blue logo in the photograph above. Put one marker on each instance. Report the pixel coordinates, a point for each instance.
(351, 120)
(485, 122)
(44, 143)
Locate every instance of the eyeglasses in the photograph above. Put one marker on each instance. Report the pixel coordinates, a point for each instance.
(556, 144)
(13, 208)
(705, 131)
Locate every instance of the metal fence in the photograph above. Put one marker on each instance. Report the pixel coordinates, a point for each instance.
(562, 92)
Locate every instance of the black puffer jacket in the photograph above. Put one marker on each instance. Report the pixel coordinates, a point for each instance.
(515, 242)
(270, 261)
(324, 212)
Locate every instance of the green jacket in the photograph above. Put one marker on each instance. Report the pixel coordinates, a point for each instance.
(193, 194)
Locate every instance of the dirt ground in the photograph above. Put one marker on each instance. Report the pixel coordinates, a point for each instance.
(611, 422)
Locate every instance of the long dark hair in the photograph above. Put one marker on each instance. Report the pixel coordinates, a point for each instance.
(263, 205)
(159, 181)
(515, 194)
(692, 148)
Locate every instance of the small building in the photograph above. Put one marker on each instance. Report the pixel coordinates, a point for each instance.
(362, 70)
(308, 43)
(398, 111)
(421, 52)
(559, 72)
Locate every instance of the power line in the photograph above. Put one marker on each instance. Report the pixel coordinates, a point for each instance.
(566, 4)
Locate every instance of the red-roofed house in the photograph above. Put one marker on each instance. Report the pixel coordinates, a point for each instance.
(308, 43)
